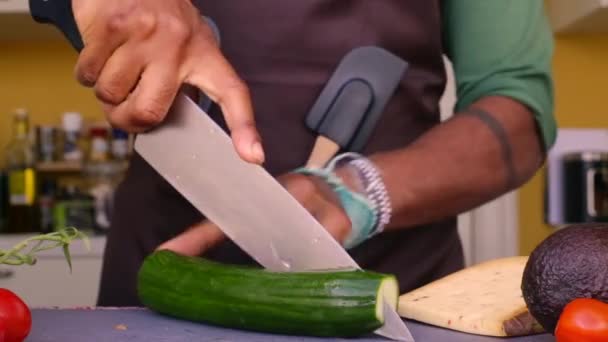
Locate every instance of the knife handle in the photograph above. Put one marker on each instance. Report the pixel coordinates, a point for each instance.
(59, 14)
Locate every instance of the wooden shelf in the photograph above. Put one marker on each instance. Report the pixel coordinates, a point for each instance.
(59, 167)
(579, 16)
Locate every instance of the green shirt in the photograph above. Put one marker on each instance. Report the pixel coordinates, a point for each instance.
(501, 47)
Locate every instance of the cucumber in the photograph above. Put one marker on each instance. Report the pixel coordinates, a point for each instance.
(333, 303)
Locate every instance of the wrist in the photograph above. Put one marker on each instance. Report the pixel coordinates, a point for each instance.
(350, 178)
(362, 193)
(365, 175)
(345, 183)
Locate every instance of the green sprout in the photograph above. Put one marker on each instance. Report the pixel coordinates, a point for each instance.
(20, 254)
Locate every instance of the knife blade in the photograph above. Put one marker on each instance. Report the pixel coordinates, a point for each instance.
(198, 159)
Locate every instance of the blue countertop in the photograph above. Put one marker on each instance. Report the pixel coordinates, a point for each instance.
(142, 325)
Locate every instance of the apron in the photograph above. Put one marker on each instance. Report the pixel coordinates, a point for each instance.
(286, 51)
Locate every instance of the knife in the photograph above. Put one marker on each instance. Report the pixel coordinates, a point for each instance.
(198, 159)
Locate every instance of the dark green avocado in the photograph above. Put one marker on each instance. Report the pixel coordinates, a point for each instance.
(571, 263)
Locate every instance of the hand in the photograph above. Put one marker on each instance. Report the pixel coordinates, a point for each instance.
(138, 54)
(313, 193)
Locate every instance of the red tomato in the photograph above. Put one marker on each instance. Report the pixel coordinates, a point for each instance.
(2, 331)
(15, 315)
(581, 320)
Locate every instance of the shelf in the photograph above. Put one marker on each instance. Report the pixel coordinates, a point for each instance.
(111, 167)
(59, 167)
(580, 16)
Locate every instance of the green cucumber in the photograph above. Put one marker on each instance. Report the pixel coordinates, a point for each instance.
(333, 303)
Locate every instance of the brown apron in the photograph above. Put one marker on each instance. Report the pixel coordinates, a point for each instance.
(286, 51)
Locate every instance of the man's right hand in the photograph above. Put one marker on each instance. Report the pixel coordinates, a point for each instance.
(137, 55)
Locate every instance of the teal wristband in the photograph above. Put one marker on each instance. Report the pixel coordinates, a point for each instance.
(359, 209)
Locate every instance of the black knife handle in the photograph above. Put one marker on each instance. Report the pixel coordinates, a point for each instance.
(58, 13)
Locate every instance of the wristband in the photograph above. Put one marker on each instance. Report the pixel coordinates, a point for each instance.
(359, 209)
(372, 183)
(370, 211)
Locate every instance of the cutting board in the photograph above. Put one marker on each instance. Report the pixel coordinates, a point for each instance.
(484, 299)
(142, 325)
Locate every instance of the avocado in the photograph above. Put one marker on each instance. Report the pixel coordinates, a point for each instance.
(571, 263)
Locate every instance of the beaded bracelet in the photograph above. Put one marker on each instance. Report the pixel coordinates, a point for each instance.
(373, 185)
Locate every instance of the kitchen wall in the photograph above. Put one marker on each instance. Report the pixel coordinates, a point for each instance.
(39, 76)
(581, 73)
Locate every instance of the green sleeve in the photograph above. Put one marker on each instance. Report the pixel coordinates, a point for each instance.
(500, 47)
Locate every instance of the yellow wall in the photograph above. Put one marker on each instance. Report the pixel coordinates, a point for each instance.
(581, 76)
(39, 76)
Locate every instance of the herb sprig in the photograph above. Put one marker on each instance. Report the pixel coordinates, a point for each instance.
(25, 251)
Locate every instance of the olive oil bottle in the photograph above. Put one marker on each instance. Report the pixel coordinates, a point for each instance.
(20, 167)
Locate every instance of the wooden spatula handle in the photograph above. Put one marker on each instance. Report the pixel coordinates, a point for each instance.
(322, 152)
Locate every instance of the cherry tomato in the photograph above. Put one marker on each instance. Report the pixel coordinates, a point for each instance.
(581, 320)
(2, 331)
(15, 315)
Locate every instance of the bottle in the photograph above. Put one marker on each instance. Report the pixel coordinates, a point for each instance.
(3, 200)
(73, 208)
(46, 137)
(99, 145)
(101, 172)
(46, 202)
(20, 165)
(120, 144)
(101, 183)
(72, 126)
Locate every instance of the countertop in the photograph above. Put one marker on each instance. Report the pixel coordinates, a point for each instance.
(139, 325)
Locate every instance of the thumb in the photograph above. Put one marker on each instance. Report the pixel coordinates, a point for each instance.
(196, 240)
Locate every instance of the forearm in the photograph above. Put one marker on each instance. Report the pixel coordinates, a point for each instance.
(462, 163)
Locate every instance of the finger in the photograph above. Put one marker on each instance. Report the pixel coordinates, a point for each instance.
(303, 190)
(335, 221)
(149, 103)
(100, 42)
(211, 73)
(119, 75)
(196, 240)
(318, 198)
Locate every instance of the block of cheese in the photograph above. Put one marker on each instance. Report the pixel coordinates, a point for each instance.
(484, 299)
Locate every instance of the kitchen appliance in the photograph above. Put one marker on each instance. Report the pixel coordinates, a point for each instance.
(585, 186)
(242, 199)
(570, 141)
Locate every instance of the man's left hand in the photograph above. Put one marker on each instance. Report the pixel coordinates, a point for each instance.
(313, 193)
